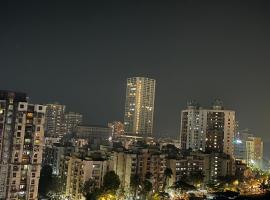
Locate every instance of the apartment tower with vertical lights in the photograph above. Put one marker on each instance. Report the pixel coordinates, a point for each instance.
(139, 107)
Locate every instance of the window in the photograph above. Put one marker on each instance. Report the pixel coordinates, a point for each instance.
(19, 127)
(14, 175)
(22, 106)
(30, 115)
(18, 134)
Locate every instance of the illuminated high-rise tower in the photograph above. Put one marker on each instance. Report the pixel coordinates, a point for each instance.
(139, 108)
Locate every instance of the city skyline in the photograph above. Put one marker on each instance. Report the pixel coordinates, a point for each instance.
(124, 100)
(194, 50)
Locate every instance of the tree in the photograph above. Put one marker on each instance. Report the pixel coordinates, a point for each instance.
(111, 181)
(171, 150)
(134, 183)
(183, 186)
(196, 177)
(167, 174)
(88, 187)
(95, 194)
(148, 175)
(46, 180)
(50, 183)
(264, 186)
(226, 180)
(146, 187)
(57, 185)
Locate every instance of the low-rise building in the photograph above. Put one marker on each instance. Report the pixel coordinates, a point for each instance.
(117, 128)
(72, 120)
(186, 166)
(210, 166)
(141, 162)
(77, 169)
(221, 165)
(95, 135)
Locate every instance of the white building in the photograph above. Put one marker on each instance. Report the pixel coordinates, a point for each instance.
(210, 130)
(128, 163)
(77, 170)
(21, 145)
(254, 150)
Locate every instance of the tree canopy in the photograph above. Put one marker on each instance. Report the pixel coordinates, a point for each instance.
(111, 181)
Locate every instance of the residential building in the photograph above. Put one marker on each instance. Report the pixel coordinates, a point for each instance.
(73, 119)
(240, 149)
(55, 120)
(139, 106)
(95, 134)
(189, 165)
(76, 170)
(21, 145)
(221, 165)
(49, 141)
(117, 128)
(210, 130)
(53, 154)
(210, 165)
(141, 162)
(254, 149)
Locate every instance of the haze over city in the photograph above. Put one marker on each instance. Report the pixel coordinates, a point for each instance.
(195, 50)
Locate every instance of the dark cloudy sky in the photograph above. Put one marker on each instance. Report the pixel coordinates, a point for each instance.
(80, 53)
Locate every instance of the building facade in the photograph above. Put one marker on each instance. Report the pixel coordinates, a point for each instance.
(240, 148)
(254, 150)
(72, 119)
(189, 165)
(139, 106)
(128, 163)
(117, 128)
(55, 120)
(21, 145)
(53, 154)
(220, 165)
(76, 170)
(210, 130)
(93, 132)
(210, 165)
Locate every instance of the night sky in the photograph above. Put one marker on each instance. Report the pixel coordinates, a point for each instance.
(81, 53)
